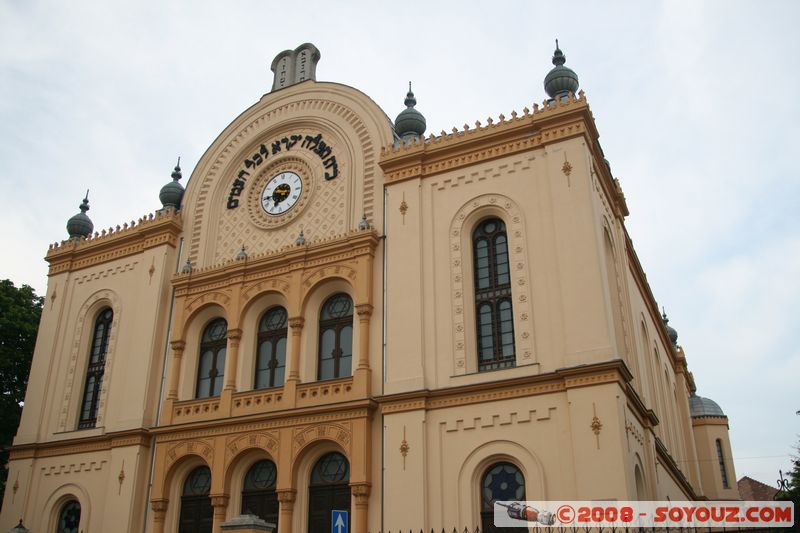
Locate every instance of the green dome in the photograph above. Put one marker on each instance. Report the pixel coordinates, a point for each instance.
(80, 225)
(561, 80)
(410, 122)
(172, 193)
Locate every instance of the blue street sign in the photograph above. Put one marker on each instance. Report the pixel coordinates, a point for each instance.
(339, 522)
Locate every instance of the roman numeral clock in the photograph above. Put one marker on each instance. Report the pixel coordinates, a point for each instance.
(281, 193)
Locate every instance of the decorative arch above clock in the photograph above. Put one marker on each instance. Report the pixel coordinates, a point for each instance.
(328, 135)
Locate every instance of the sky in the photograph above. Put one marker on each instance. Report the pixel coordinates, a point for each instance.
(693, 101)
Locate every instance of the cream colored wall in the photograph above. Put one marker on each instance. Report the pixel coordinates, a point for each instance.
(131, 380)
(706, 431)
(547, 436)
(46, 484)
(558, 296)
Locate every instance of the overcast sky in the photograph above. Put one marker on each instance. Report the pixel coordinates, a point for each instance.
(695, 103)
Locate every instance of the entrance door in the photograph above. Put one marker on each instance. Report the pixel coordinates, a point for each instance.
(197, 515)
(329, 490)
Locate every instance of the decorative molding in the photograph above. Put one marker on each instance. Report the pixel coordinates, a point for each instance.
(264, 440)
(119, 269)
(498, 419)
(460, 279)
(77, 358)
(596, 425)
(341, 433)
(73, 468)
(200, 448)
(260, 126)
(113, 244)
(404, 448)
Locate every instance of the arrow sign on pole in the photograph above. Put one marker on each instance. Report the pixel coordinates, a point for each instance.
(339, 522)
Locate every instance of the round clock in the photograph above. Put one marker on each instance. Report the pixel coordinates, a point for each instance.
(281, 193)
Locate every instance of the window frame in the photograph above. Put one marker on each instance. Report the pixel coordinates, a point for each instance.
(216, 376)
(95, 369)
(338, 325)
(493, 296)
(272, 336)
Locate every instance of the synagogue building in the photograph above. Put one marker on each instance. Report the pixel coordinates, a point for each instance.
(341, 311)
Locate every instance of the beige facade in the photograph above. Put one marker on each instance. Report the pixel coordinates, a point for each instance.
(590, 398)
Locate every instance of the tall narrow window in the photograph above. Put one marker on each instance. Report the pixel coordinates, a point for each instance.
(197, 514)
(69, 519)
(493, 311)
(96, 368)
(211, 367)
(258, 493)
(271, 357)
(503, 482)
(328, 490)
(336, 337)
(723, 472)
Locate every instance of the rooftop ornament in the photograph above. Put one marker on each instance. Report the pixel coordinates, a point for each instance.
(410, 124)
(172, 193)
(80, 225)
(561, 80)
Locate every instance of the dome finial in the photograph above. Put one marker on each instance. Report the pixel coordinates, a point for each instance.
(410, 123)
(561, 80)
(80, 225)
(171, 194)
(672, 333)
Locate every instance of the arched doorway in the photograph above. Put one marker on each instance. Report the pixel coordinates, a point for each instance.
(197, 515)
(69, 519)
(258, 493)
(328, 490)
(500, 482)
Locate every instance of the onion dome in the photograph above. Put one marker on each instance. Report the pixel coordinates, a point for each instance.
(80, 225)
(561, 80)
(410, 123)
(699, 406)
(172, 193)
(671, 332)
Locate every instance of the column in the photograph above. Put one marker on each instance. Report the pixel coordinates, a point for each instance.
(159, 508)
(175, 368)
(286, 509)
(220, 505)
(232, 359)
(361, 375)
(360, 494)
(293, 370)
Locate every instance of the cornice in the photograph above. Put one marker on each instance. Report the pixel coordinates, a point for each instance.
(162, 228)
(137, 437)
(355, 244)
(560, 380)
(673, 470)
(277, 419)
(553, 122)
(709, 421)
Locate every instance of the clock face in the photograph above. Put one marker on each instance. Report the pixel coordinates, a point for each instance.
(281, 193)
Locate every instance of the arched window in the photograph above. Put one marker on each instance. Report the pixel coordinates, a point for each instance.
(69, 519)
(493, 312)
(336, 337)
(211, 368)
(501, 482)
(271, 356)
(95, 369)
(328, 490)
(723, 472)
(197, 515)
(258, 493)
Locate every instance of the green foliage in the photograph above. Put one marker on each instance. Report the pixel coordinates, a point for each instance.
(20, 310)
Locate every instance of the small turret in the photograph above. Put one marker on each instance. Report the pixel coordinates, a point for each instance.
(410, 124)
(80, 225)
(561, 80)
(172, 193)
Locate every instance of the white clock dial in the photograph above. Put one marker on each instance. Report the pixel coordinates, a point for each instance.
(281, 193)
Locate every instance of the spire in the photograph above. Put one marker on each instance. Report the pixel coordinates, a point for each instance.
(671, 332)
(410, 123)
(172, 193)
(561, 80)
(80, 225)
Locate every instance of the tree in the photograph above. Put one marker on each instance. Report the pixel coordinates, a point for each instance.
(20, 310)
